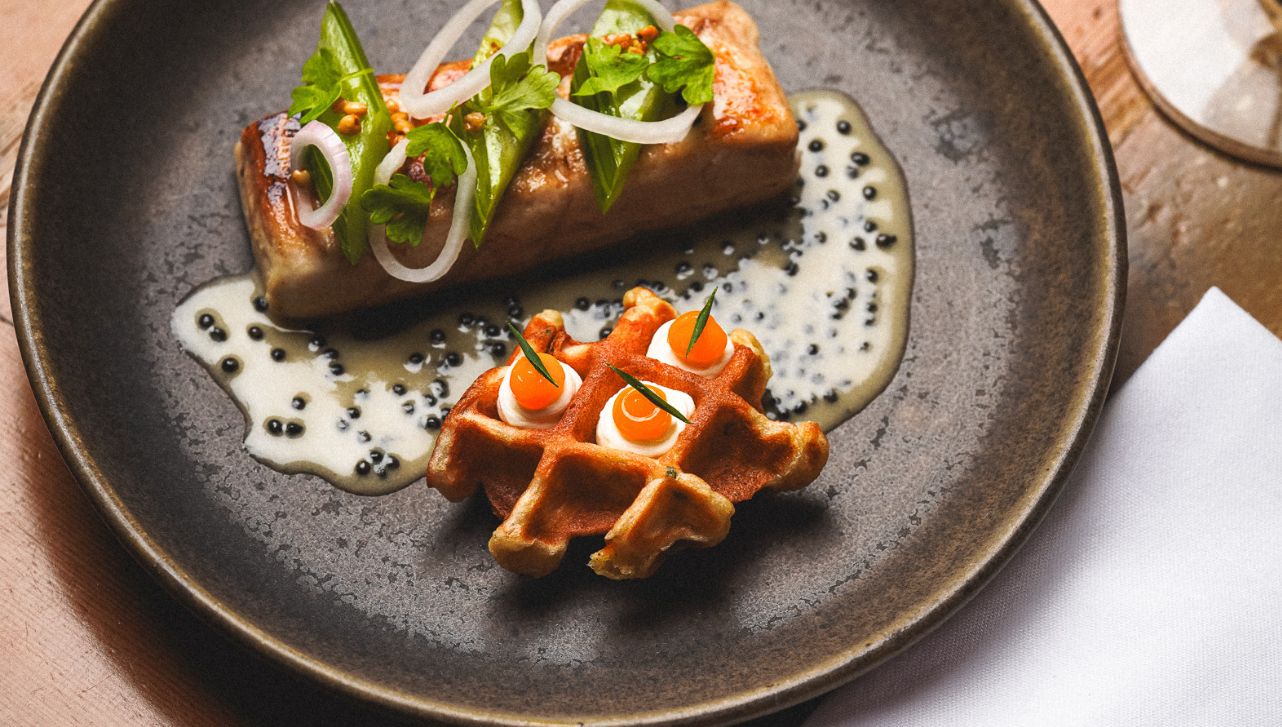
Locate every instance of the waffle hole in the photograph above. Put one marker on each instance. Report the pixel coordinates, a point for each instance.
(503, 469)
(587, 494)
(734, 459)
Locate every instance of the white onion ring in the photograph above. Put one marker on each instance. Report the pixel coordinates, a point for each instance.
(421, 105)
(319, 135)
(667, 131)
(464, 195)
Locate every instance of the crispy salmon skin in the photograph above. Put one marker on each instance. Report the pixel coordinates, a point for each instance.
(742, 150)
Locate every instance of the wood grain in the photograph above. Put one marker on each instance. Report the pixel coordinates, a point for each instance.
(86, 637)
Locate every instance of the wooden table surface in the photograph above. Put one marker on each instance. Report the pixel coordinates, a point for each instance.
(87, 637)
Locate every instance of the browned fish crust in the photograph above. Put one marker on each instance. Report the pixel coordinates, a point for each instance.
(741, 151)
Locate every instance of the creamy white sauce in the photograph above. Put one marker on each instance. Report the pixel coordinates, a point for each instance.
(608, 434)
(829, 305)
(511, 411)
(661, 350)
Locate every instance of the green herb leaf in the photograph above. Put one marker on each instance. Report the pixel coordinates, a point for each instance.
(701, 321)
(685, 64)
(648, 393)
(515, 87)
(445, 159)
(402, 205)
(610, 68)
(320, 88)
(531, 356)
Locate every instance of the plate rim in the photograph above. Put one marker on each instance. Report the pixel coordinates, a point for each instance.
(1110, 237)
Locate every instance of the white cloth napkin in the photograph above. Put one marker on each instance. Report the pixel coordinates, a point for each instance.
(1152, 593)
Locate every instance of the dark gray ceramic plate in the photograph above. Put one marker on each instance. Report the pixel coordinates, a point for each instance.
(124, 201)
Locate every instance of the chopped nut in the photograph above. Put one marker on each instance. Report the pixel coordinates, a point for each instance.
(338, 105)
(355, 108)
(393, 105)
(300, 177)
(474, 121)
(402, 123)
(349, 125)
(636, 48)
(648, 33)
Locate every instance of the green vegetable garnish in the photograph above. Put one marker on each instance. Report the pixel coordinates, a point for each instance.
(685, 64)
(701, 321)
(610, 160)
(403, 204)
(499, 148)
(648, 393)
(531, 356)
(339, 69)
(610, 68)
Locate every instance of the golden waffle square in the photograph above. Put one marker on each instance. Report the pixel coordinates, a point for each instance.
(552, 485)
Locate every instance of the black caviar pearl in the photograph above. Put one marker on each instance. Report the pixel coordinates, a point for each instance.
(229, 365)
(437, 336)
(831, 396)
(865, 346)
(492, 331)
(441, 388)
(799, 408)
(432, 422)
(801, 125)
(515, 311)
(850, 293)
(606, 331)
(498, 350)
(466, 320)
(453, 358)
(884, 241)
(816, 145)
(256, 333)
(759, 316)
(342, 425)
(697, 286)
(858, 244)
(429, 399)
(362, 393)
(293, 429)
(821, 171)
(416, 358)
(860, 158)
(445, 411)
(392, 462)
(813, 349)
(408, 407)
(218, 334)
(684, 268)
(336, 368)
(375, 456)
(362, 468)
(330, 353)
(260, 304)
(317, 342)
(582, 304)
(822, 237)
(871, 275)
(834, 195)
(275, 427)
(354, 412)
(398, 389)
(363, 436)
(870, 226)
(792, 268)
(299, 403)
(843, 127)
(870, 193)
(278, 354)
(205, 321)
(871, 308)
(869, 321)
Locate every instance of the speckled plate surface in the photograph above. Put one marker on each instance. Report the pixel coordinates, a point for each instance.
(124, 201)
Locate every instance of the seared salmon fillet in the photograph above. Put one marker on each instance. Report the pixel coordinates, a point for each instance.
(742, 150)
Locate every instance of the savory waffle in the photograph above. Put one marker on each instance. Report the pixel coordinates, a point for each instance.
(555, 484)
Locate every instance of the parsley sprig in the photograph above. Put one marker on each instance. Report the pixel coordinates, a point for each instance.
(515, 87)
(610, 68)
(403, 204)
(528, 351)
(684, 64)
(649, 393)
(701, 320)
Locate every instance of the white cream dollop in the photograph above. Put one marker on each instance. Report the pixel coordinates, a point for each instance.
(513, 413)
(608, 434)
(662, 351)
